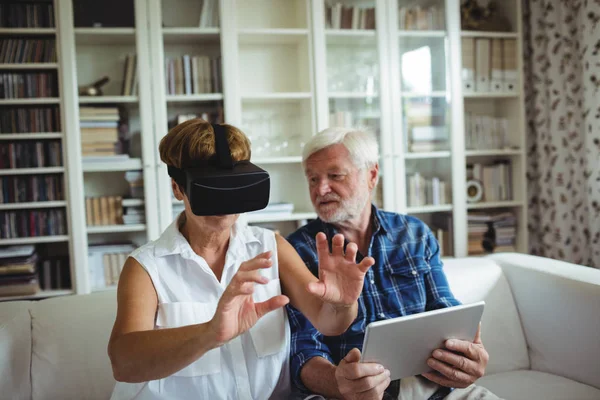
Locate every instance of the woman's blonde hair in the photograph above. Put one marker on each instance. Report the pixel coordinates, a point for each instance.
(193, 141)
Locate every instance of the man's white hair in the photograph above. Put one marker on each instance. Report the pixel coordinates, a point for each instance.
(362, 145)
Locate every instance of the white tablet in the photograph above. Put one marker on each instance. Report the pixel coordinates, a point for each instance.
(404, 344)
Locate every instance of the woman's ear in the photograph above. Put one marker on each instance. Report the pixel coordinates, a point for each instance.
(176, 190)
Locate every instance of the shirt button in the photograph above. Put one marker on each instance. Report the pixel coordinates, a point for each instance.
(372, 282)
(414, 272)
(382, 315)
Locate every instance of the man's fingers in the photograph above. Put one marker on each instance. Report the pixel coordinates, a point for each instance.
(351, 251)
(337, 245)
(454, 374)
(379, 389)
(441, 380)
(358, 370)
(469, 349)
(370, 382)
(273, 303)
(353, 356)
(322, 245)
(477, 339)
(366, 263)
(457, 360)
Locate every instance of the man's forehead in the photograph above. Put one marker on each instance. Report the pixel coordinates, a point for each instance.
(329, 159)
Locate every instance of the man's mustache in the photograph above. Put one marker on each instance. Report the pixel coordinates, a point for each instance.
(329, 197)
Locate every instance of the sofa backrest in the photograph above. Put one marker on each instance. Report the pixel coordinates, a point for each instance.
(69, 348)
(560, 306)
(475, 279)
(15, 350)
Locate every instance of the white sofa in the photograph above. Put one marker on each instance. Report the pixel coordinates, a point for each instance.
(541, 327)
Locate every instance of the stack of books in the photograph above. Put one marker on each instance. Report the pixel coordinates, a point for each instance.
(134, 215)
(100, 133)
(18, 271)
(491, 232)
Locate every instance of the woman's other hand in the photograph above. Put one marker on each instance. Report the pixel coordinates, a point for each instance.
(237, 312)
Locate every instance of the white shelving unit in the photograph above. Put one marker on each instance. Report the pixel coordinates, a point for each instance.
(286, 73)
(47, 246)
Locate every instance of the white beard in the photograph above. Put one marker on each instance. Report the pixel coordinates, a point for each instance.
(347, 209)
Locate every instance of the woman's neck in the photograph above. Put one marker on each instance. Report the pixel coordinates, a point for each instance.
(210, 245)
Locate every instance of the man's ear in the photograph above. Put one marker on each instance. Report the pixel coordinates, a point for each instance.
(373, 176)
(176, 190)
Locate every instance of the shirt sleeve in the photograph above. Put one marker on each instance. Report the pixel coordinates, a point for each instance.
(306, 343)
(438, 291)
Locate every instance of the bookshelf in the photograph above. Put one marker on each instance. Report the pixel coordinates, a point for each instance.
(34, 212)
(281, 70)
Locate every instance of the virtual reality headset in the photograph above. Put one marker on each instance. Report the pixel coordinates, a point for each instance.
(221, 186)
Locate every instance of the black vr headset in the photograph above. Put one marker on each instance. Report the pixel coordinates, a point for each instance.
(221, 186)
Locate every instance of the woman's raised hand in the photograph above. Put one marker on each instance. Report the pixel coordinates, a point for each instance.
(237, 312)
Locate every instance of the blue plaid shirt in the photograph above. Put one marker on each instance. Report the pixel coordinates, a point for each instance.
(407, 278)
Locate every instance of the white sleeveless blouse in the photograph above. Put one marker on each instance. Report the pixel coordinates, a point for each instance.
(255, 365)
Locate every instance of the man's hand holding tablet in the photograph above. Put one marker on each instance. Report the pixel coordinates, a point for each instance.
(436, 344)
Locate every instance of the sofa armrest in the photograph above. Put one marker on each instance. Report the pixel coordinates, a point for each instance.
(559, 306)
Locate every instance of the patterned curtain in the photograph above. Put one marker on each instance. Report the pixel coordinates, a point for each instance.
(562, 78)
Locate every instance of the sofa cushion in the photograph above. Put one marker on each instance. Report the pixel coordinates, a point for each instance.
(559, 303)
(526, 385)
(70, 339)
(15, 349)
(475, 279)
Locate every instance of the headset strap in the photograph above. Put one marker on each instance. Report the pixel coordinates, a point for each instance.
(222, 147)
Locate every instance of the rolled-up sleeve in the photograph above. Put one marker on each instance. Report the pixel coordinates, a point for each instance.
(438, 290)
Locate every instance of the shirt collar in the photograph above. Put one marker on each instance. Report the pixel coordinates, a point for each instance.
(172, 240)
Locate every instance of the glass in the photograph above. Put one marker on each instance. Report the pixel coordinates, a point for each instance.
(350, 15)
(423, 64)
(274, 132)
(428, 182)
(421, 17)
(352, 68)
(426, 123)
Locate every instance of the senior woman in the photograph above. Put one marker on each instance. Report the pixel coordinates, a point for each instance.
(200, 309)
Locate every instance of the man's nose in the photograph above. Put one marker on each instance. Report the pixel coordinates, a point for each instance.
(323, 187)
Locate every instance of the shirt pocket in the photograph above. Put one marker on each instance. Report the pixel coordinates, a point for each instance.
(269, 333)
(178, 314)
(409, 277)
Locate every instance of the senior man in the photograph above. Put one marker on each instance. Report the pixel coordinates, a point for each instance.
(341, 166)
